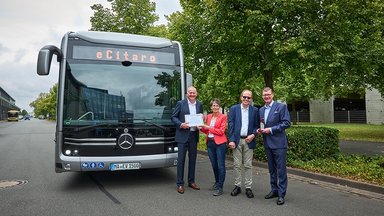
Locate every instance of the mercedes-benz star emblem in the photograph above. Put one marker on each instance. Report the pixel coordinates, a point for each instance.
(125, 141)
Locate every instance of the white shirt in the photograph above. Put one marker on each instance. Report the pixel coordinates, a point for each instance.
(192, 111)
(244, 120)
(213, 120)
(192, 107)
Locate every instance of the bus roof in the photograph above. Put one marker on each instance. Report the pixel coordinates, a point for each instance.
(122, 39)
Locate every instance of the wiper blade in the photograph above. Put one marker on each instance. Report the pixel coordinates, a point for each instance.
(165, 129)
(91, 126)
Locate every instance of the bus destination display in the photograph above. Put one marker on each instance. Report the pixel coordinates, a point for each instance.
(118, 54)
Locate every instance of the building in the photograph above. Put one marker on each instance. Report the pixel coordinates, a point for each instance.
(366, 109)
(6, 103)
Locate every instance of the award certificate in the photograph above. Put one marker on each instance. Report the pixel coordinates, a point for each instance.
(194, 120)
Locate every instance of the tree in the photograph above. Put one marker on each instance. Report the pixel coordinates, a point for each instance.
(24, 112)
(127, 16)
(45, 104)
(305, 49)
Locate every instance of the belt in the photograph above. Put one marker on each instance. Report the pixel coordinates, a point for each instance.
(211, 139)
(243, 137)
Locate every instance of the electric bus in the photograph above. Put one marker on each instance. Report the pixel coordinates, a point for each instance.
(116, 94)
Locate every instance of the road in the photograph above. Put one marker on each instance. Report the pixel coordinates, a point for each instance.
(26, 156)
(361, 147)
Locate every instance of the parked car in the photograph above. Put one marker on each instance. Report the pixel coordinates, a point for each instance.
(41, 117)
(27, 117)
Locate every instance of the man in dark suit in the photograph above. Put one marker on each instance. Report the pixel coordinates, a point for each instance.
(243, 124)
(275, 119)
(187, 138)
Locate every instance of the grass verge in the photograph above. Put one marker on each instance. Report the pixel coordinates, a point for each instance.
(355, 132)
(362, 168)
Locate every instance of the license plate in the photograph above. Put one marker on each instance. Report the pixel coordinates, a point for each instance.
(124, 166)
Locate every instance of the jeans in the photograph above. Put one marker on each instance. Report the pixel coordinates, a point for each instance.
(216, 155)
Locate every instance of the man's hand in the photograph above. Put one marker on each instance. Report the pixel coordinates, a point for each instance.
(267, 131)
(249, 138)
(184, 125)
(232, 145)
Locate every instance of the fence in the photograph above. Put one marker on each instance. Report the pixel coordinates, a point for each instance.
(301, 116)
(350, 116)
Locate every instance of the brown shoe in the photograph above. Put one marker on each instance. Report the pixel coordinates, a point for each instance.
(180, 189)
(194, 186)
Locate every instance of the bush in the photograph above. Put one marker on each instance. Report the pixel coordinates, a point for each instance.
(202, 144)
(306, 143)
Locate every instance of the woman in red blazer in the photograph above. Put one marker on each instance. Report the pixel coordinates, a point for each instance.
(214, 128)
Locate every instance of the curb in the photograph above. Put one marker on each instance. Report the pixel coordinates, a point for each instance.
(320, 177)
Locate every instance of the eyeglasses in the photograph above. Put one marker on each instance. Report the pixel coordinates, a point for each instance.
(265, 95)
(246, 97)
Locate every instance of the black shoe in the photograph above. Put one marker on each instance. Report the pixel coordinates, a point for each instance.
(280, 201)
(271, 195)
(249, 193)
(236, 191)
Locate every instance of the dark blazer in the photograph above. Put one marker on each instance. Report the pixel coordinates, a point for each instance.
(235, 124)
(278, 120)
(178, 117)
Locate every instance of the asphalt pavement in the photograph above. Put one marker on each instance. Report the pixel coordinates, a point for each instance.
(362, 147)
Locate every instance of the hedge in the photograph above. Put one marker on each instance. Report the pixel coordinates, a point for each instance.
(306, 143)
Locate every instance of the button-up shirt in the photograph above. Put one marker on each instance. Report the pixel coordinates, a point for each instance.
(266, 112)
(244, 120)
(192, 111)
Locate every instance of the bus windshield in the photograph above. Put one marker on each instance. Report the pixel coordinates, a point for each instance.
(109, 93)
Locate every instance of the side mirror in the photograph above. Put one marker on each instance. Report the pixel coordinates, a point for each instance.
(45, 57)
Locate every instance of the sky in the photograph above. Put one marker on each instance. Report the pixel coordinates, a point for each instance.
(27, 26)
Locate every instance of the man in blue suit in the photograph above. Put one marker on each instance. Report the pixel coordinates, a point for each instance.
(186, 138)
(243, 125)
(274, 119)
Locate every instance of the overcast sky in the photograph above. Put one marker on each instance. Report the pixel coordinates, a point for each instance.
(27, 26)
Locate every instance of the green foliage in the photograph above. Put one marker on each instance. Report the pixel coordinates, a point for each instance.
(305, 49)
(24, 112)
(306, 143)
(356, 167)
(127, 16)
(45, 104)
(202, 144)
